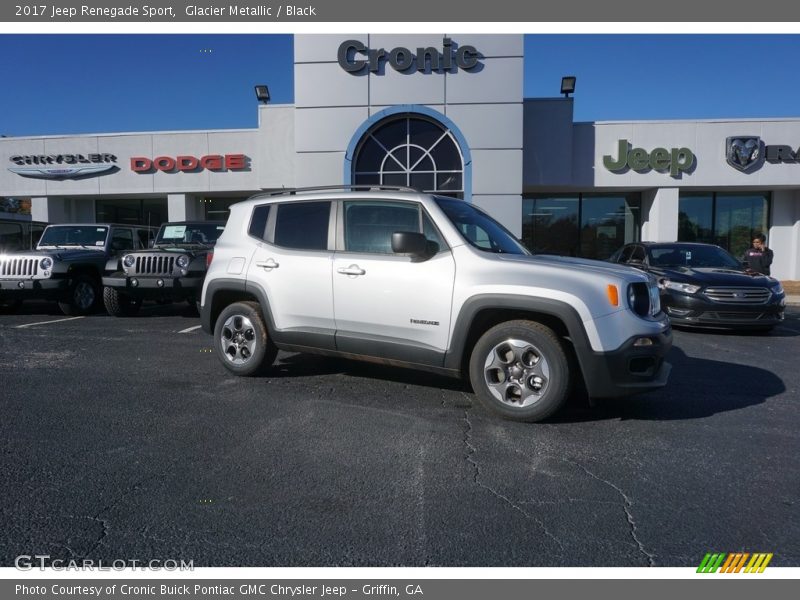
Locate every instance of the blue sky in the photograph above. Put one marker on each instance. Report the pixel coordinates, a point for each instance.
(54, 84)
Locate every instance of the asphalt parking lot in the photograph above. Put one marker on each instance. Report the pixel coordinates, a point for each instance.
(126, 439)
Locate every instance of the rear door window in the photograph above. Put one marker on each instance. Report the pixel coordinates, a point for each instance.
(303, 225)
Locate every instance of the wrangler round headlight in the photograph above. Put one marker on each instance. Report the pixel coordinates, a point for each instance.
(128, 260)
(183, 261)
(46, 263)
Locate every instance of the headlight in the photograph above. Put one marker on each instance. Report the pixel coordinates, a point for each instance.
(655, 298)
(639, 298)
(128, 260)
(46, 263)
(183, 261)
(776, 288)
(685, 288)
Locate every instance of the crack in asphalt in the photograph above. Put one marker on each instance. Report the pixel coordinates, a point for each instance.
(104, 523)
(627, 504)
(471, 451)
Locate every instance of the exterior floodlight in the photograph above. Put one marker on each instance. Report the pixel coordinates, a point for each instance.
(262, 93)
(568, 85)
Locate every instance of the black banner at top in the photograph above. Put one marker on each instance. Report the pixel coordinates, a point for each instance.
(464, 11)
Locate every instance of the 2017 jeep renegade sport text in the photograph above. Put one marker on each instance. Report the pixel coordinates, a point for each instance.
(433, 283)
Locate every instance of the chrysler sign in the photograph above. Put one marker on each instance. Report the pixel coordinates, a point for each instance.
(63, 166)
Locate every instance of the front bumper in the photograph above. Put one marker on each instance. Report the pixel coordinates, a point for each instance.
(156, 288)
(631, 369)
(33, 289)
(695, 311)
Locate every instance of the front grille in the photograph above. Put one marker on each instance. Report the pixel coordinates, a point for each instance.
(19, 267)
(733, 316)
(736, 295)
(154, 265)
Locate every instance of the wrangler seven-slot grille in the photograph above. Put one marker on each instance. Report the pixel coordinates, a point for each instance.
(734, 295)
(154, 265)
(19, 267)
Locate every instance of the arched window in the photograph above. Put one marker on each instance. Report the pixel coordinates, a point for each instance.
(410, 150)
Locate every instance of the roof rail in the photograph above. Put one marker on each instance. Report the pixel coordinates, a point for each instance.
(362, 187)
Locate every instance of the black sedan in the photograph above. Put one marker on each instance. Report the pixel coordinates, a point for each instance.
(704, 286)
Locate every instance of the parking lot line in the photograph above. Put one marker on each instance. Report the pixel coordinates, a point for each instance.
(189, 329)
(47, 322)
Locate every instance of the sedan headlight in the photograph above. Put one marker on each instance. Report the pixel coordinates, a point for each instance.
(128, 260)
(182, 261)
(776, 288)
(684, 288)
(655, 298)
(46, 263)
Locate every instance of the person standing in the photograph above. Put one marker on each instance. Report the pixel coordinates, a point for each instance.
(758, 257)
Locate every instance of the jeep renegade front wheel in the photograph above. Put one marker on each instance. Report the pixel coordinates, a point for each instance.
(241, 340)
(519, 369)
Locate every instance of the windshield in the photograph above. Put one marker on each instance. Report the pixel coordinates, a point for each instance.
(74, 235)
(692, 256)
(478, 228)
(195, 233)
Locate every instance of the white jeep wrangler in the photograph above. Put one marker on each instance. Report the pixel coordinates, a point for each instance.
(428, 282)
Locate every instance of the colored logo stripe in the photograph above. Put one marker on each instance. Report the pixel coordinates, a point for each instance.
(733, 562)
(758, 563)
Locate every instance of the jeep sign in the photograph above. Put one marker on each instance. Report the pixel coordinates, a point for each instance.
(676, 160)
(403, 59)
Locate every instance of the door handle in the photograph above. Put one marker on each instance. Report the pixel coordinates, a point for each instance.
(267, 264)
(351, 270)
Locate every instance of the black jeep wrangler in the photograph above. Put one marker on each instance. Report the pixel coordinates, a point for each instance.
(67, 265)
(171, 271)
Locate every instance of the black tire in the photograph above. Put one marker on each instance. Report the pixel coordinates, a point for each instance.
(83, 296)
(9, 307)
(120, 305)
(241, 340)
(524, 363)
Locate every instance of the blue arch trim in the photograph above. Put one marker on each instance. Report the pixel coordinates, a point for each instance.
(411, 109)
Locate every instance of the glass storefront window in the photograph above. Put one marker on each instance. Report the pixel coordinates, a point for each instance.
(17, 206)
(218, 209)
(727, 219)
(585, 225)
(695, 218)
(550, 225)
(737, 219)
(151, 212)
(608, 222)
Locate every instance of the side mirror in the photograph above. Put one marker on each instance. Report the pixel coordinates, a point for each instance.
(407, 242)
(151, 243)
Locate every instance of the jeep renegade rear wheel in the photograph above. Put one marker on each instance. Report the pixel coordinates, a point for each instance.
(241, 340)
(520, 370)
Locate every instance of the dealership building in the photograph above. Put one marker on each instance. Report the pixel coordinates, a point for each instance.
(439, 113)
